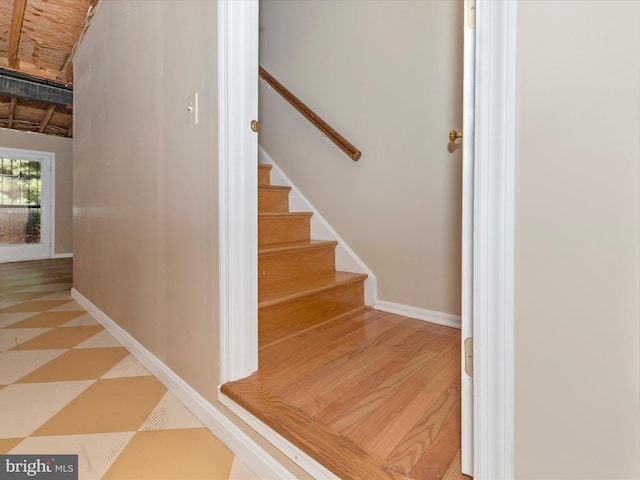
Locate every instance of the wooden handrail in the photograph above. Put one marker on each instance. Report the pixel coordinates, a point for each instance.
(342, 143)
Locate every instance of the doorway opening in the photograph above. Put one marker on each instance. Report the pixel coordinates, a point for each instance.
(449, 410)
(493, 228)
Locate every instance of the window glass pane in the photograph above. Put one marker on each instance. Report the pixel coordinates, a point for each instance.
(20, 197)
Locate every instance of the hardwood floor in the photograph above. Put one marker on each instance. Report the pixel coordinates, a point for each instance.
(372, 396)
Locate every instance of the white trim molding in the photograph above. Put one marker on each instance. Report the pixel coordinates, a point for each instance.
(431, 316)
(238, 187)
(493, 274)
(47, 247)
(346, 258)
(245, 448)
(62, 255)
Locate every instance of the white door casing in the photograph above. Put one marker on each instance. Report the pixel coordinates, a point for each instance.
(238, 187)
(491, 267)
(493, 239)
(468, 121)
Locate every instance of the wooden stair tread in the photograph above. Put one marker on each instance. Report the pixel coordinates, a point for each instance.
(274, 187)
(268, 166)
(297, 288)
(330, 448)
(284, 214)
(292, 246)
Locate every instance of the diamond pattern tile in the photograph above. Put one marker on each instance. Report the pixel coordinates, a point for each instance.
(68, 387)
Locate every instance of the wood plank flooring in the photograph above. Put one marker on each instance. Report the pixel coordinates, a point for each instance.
(371, 396)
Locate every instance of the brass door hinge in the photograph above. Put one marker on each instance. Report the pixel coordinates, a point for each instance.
(468, 356)
(255, 125)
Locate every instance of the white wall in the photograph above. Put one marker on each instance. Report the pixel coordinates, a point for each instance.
(577, 330)
(62, 147)
(388, 76)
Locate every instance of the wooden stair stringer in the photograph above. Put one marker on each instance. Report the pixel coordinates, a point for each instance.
(331, 449)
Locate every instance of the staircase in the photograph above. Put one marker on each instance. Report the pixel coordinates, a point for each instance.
(298, 285)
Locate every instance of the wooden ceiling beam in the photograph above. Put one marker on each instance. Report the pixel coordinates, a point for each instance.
(16, 27)
(32, 69)
(47, 118)
(12, 110)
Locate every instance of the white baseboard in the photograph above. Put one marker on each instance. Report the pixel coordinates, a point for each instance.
(346, 258)
(304, 461)
(243, 446)
(62, 255)
(440, 318)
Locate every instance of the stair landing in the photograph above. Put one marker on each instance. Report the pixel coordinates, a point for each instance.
(375, 396)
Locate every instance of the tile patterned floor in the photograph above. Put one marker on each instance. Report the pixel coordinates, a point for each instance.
(68, 387)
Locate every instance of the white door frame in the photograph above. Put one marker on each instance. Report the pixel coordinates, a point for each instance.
(493, 217)
(238, 187)
(46, 248)
(493, 233)
(468, 126)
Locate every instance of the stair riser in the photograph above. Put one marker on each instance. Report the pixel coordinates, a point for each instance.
(264, 175)
(292, 317)
(277, 268)
(283, 229)
(273, 201)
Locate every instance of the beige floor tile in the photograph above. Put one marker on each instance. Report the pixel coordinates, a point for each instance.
(34, 306)
(129, 367)
(239, 471)
(71, 306)
(6, 444)
(193, 454)
(96, 452)
(12, 337)
(170, 413)
(84, 319)
(16, 364)
(7, 319)
(84, 364)
(61, 337)
(46, 319)
(23, 408)
(101, 339)
(109, 405)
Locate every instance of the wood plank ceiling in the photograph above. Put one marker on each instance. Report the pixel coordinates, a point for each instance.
(37, 40)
